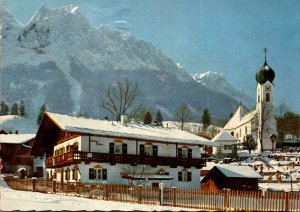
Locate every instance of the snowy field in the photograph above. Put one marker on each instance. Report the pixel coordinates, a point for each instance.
(28, 201)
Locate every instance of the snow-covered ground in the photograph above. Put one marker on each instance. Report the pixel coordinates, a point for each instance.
(28, 201)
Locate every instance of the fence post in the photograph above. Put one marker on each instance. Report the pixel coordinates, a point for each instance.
(33, 184)
(174, 191)
(287, 197)
(140, 194)
(161, 194)
(226, 198)
(54, 186)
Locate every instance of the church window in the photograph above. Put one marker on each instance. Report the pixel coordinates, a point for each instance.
(240, 131)
(267, 97)
(246, 130)
(258, 98)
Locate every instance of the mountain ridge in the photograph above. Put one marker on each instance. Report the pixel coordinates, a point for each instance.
(63, 61)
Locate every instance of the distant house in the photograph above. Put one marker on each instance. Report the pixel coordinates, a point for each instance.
(15, 153)
(230, 177)
(96, 151)
(226, 142)
(3, 132)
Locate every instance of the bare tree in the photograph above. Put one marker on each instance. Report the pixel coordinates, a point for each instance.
(120, 97)
(136, 175)
(260, 125)
(183, 114)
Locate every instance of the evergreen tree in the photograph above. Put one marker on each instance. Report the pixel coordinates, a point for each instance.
(22, 109)
(206, 121)
(148, 118)
(159, 118)
(4, 109)
(14, 109)
(41, 113)
(249, 143)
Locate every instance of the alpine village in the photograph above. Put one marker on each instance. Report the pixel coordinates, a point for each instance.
(135, 153)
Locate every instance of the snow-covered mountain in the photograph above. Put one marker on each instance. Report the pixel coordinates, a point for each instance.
(60, 59)
(217, 82)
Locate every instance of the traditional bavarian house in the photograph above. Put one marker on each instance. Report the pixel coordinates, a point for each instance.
(95, 151)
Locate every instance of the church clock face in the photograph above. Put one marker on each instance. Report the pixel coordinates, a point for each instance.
(268, 88)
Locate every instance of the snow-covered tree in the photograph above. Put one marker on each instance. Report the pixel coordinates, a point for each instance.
(3, 109)
(206, 120)
(22, 109)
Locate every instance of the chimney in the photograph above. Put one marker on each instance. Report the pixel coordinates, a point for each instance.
(17, 132)
(124, 119)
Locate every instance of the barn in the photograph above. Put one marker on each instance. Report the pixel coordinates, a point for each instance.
(230, 177)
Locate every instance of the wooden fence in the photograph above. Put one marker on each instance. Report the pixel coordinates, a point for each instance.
(176, 197)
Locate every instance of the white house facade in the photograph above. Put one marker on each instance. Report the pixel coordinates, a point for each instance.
(97, 151)
(226, 142)
(260, 122)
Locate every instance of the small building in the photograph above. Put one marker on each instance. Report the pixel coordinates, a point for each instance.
(226, 142)
(15, 153)
(97, 151)
(230, 177)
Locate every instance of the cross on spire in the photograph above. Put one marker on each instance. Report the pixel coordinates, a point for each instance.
(265, 51)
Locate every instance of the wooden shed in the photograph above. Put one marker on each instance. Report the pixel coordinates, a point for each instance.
(230, 177)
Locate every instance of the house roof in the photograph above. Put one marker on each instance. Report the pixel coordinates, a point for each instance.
(240, 117)
(224, 136)
(16, 138)
(130, 130)
(237, 171)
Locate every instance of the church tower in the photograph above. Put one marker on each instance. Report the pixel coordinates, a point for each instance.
(265, 105)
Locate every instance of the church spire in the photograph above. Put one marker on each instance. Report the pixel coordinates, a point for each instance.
(265, 51)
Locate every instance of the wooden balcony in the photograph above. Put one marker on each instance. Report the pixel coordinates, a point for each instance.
(74, 157)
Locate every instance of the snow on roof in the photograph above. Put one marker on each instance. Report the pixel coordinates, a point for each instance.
(224, 136)
(238, 171)
(240, 118)
(130, 130)
(15, 138)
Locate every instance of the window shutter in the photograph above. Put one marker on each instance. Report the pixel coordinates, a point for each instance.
(179, 176)
(142, 149)
(91, 173)
(189, 176)
(190, 153)
(104, 174)
(111, 148)
(125, 149)
(179, 152)
(155, 151)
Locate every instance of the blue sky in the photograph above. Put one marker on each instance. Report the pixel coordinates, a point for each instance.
(207, 35)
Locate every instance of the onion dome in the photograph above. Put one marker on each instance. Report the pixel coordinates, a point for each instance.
(265, 74)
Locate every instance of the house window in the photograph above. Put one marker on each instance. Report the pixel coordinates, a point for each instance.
(148, 149)
(227, 147)
(267, 97)
(184, 152)
(185, 176)
(118, 148)
(97, 174)
(67, 174)
(75, 174)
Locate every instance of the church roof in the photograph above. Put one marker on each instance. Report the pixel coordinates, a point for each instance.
(240, 117)
(224, 136)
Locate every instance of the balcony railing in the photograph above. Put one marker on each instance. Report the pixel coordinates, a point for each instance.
(73, 157)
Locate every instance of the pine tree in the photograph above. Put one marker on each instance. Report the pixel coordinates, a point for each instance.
(41, 113)
(22, 109)
(148, 118)
(249, 143)
(4, 109)
(14, 109)
(206, 121)
(159, 118)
